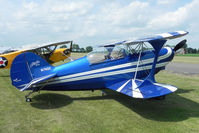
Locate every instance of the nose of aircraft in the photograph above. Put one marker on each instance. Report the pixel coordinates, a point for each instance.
(166, 54)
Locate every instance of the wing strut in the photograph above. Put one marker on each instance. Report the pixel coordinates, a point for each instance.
(141, 48)
(157, 45)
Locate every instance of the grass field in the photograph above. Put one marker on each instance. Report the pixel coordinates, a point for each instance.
(187, 59)
(89, 112)
(192, 55)
(78, 54)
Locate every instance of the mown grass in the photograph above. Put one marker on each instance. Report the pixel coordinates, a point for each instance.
(186, 59)
(89, 112)
(73, 54)
(192, 55)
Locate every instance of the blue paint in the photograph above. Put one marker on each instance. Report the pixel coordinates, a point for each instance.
(29, 71)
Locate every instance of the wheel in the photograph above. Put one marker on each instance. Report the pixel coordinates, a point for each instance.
(28, 100)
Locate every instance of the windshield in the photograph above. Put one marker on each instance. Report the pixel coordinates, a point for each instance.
(45, 50)
(102, 54)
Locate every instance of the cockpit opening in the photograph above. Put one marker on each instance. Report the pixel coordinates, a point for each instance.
(115, 52)
(102, 54)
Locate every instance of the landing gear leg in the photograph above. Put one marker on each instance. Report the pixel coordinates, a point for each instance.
(27, 96)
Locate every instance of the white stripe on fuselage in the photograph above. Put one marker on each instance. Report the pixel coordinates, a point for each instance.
(75, 77)
(115, 67)
(105, 74)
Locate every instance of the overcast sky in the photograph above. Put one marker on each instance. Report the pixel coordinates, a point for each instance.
(94, 22)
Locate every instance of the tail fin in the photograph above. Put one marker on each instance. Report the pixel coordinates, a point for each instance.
(28, 69)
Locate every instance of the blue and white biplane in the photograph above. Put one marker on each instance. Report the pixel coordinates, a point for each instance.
(127, 67)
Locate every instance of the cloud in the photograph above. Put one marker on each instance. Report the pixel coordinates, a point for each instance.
(125, 15)
(184, 18)
(72, 7)
(170, 19)
(90, 22)
(166, 2)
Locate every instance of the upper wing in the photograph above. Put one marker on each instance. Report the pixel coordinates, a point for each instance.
(5, 50)
(163, 36)
(33, 47)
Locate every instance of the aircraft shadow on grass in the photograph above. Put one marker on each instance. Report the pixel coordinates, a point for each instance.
(5, 76)
(173, 109)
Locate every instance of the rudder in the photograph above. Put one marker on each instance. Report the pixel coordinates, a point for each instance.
(28, 69)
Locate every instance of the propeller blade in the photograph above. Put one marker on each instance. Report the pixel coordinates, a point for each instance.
(180, 45)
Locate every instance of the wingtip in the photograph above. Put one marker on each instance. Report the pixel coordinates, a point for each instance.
(183, 32)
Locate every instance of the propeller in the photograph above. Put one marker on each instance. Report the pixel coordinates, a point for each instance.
(180, 45)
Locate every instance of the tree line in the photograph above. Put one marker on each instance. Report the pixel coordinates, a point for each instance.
(76, 48)
(189, 50)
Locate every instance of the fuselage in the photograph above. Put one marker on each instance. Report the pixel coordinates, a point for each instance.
(7, 58)
(81, 74)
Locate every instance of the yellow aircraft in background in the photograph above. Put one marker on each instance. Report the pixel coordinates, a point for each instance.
(50, 52)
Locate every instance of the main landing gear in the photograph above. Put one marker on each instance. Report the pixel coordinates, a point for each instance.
(27, 96)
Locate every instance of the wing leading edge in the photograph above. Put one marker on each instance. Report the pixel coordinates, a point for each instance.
(39, 46)
(163, 36)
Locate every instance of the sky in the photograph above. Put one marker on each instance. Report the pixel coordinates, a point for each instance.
(94, 22)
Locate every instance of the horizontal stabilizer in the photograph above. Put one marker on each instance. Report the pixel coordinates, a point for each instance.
(142, 89)
(29, 69)
(36, 81)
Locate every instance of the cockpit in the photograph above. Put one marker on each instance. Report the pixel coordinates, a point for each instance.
(114, 52)
(101, 54)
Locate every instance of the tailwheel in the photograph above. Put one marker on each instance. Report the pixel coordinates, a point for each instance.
(28, 100)
(27, 96)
